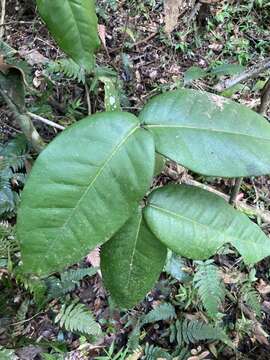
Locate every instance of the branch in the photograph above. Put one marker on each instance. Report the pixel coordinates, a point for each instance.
(46, 121)
(235, 190)
(265, 99)
(25, 124)
(247, 74)
(2, 20)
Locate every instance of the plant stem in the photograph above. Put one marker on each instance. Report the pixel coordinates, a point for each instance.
(265, 99)
(2, 20)
(25, 124)
(235, 190)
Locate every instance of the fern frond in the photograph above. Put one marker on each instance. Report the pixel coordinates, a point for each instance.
(163, 312)
(69, 68)
(67, 282)
(35, 286)
(8, 242)
(211, 288)
(152, 352)
(136, 354)
(193, 331)
(8, 201)
(71, 278)
(78, 318)
(20, 317)
(182, 354)
(14, 153)
(251, 298)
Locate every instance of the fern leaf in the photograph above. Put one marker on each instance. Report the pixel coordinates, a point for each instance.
(34, 286)
(20, 317)
(69, 68)
(163, 312)
(71, 278)
(211, 289)
(193, 331)
(251, 298)
(67, 282)
(78, 318)
(8, 242)
(152, 352)
(14, 153)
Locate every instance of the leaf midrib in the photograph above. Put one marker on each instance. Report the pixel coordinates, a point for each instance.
(176, 215)
(176, 126)
(115, 149)
(134, 250)
(77, 27)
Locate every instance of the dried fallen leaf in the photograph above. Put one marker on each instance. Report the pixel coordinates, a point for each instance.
(93, 257)
(172, 11)
(33, 57)
(263, 287)
(102, 35)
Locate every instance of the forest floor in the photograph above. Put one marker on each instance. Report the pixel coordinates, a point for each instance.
(147, 61)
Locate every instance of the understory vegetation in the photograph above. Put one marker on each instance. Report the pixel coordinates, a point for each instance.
(134, 179)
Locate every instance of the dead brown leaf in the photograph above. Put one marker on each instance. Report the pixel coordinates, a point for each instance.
(263, 287)
(172, 12)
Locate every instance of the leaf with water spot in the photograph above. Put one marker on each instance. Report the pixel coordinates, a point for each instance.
(209, 134)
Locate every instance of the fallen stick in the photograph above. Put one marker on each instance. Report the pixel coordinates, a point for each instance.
(45, 121)
(2, 20)
(247, 74)
(265, 99)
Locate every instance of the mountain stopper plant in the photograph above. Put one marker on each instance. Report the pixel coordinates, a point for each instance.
(91, 185)
(86, 189)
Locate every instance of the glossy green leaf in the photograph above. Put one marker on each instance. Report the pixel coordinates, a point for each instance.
(132, 261)
(73, 24)
(82, 189)
(160, 164)
(176, 267)
(227, 69)
(195, 223)
(111, 96)
(194, 73)
(209, 134)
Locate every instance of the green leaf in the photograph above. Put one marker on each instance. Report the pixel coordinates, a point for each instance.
(195, 223)
(12, 84)
(194, 331)
(77, 317)
(209, 134)
(162, 312)
(160, 163)
(73, 24)
(111, 98)
(194, 73)
(211, 289)
(82, 189)
(132, 261)
(227, 69)
(175, 266)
